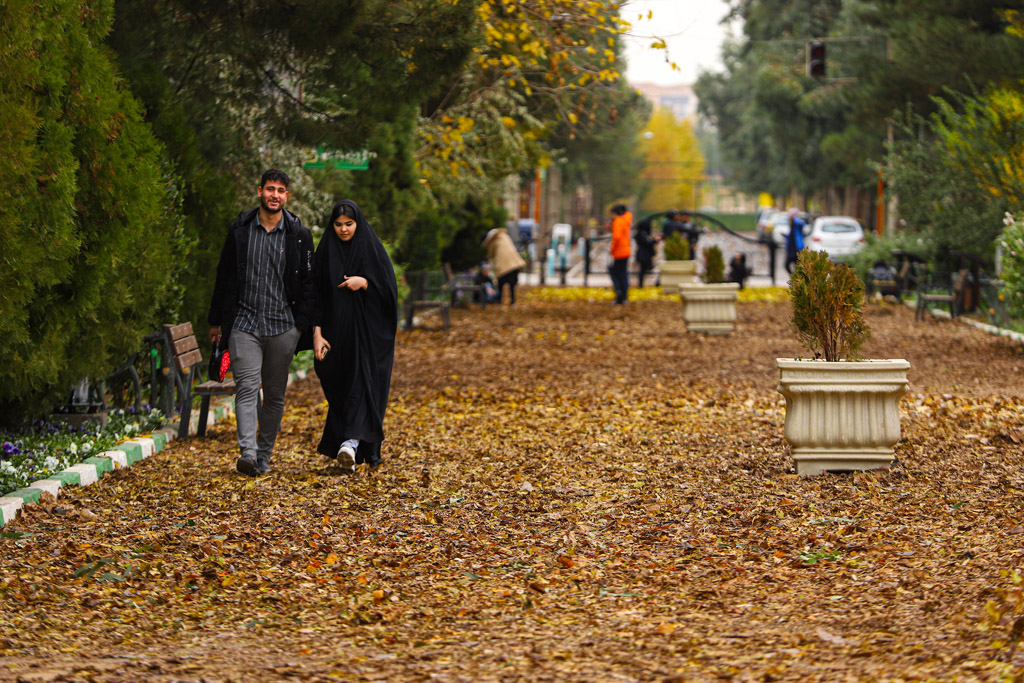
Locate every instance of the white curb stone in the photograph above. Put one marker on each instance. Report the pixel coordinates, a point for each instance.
(10, 507)
(169, 433)
(147, 445)
(51, 486)
(87, 473)
(119, 458)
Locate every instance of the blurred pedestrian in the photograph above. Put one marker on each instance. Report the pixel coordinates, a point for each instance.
(506, 261)
(738, 271)
(691, 232)
(355, 319)
(646, 244)
(260, 308)
(671, 225)
(795, 238)
(487, 292)
(622, 221)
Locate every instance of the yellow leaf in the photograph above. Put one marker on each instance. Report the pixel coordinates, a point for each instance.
(332, 558)
(667, 628)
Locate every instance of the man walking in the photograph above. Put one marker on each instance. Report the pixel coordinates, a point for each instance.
(622, 221)
(261, 306)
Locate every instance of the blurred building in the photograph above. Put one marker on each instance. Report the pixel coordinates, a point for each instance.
(679, 98)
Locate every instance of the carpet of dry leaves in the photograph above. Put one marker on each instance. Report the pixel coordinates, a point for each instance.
(572, 492)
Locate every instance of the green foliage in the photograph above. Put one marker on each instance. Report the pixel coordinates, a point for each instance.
(1011, 243)
(466, 248)
(816, 556)
(228, 103)
(958, 171)
(737, 222)
(828, 306)
(420, 248)
(880, 249)
(604, 155)
(89, 215)
(714, 265)
(677, 248)
(783, 131)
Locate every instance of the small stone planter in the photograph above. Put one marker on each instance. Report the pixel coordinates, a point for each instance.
(842, 416)
(709, 308)
(675, 273)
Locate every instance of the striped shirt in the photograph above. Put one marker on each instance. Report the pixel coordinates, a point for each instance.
(263, 307)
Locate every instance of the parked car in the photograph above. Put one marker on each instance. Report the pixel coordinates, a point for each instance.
(836, 235)
(776, 224)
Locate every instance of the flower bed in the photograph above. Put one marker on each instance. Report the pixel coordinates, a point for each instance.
(596, 294)
(604, 294)
(46, 448)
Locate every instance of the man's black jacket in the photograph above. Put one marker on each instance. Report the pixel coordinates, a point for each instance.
(298, 275)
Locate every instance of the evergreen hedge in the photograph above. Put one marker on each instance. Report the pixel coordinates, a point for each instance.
(89, 217)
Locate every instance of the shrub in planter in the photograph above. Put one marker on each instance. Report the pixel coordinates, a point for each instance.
(677, 248)
(840, 414)
(828, 306)
(678, 268)
(714, 265)
(710, 307)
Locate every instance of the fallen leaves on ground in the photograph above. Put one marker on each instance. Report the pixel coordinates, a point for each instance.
(571, 491)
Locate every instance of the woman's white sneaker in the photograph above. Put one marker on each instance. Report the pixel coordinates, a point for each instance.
(347, 459)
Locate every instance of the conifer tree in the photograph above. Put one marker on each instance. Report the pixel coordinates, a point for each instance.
(88, 220)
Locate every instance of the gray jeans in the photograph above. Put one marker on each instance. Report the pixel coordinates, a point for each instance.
(256, 360)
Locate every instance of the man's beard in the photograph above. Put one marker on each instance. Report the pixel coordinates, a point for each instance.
(263, 205)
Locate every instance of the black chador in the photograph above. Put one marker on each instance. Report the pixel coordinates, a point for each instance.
(360, 327)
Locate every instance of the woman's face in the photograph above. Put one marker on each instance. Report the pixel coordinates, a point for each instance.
(345, 227)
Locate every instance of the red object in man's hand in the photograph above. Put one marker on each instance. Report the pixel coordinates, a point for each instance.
(225, 363)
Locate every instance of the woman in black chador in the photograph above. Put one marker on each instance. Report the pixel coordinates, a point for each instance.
(354, 322)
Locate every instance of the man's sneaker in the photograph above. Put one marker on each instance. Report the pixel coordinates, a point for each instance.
(262, 466)
(247, 466)
(347, 459)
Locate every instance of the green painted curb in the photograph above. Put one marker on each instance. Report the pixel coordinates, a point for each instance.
(159, 441)
(103, 465)
(27, 495)
(133, 451)
(67, 478)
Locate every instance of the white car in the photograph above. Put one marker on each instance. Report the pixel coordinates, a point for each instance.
(836, 235)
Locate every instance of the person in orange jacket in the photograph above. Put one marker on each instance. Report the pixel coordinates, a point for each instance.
(622, 223)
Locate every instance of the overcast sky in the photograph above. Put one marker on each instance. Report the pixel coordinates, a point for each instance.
(690, 27)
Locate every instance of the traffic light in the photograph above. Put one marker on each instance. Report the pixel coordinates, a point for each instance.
(816, 59)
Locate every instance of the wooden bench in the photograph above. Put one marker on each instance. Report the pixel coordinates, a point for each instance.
(894, 286)
(464, 288)
(940, 288)
(188, 368)
(428, 289)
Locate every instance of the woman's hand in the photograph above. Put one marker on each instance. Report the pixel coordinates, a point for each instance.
(354, 283)
(320, 345)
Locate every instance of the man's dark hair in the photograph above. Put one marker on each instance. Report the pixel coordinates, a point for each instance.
(619, 209)
(274, 174)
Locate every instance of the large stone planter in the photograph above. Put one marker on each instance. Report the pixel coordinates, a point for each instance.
(675, 273)
(842, 416)
(710, 308)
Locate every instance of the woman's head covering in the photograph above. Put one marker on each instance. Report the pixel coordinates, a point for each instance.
(363, 255)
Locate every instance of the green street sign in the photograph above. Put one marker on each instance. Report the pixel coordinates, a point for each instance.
(358, 160)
